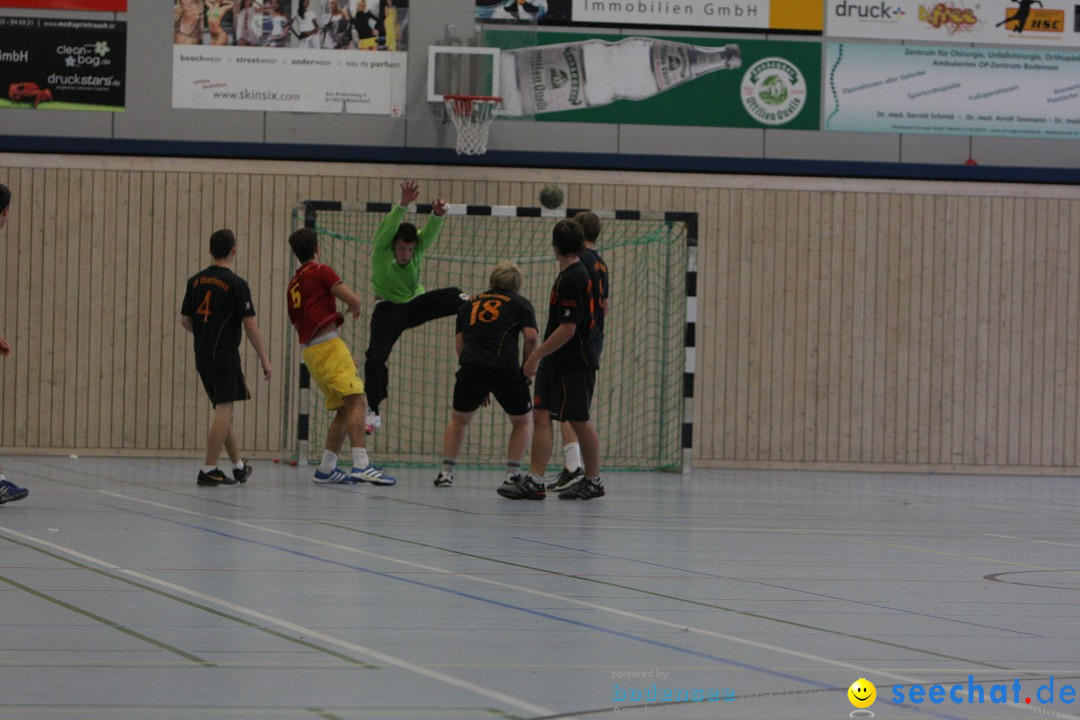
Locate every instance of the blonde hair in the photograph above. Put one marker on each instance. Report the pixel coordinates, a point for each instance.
(506, 277)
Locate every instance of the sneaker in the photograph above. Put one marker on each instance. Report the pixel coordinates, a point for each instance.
(10, 492)
(215, 477)
(372, 475)
(567, 479)
(242, 474)
(334, 477)
(372, 422)
(444, 479)
(522, 487)
(586, 490)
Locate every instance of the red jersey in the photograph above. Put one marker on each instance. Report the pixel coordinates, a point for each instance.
(311, 305)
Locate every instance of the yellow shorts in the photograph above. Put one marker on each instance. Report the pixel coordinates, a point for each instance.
(333, 369)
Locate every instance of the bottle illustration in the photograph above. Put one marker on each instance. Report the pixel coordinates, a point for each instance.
(590, 73)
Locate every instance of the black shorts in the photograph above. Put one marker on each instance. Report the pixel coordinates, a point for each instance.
(224, 386)
(510, 388)
(566, 394)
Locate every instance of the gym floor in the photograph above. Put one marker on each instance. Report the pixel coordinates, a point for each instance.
(129, 592)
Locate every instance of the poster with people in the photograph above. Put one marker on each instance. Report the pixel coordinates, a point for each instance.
(291, 55)
(100, 5)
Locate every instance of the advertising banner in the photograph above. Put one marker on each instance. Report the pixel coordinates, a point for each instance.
(709, 82)
(989, 22)
(349, 57)
(51, 64)
(761, 15)
(102, 5)
(952, 90)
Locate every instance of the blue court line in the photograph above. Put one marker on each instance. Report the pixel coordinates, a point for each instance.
(784, 587)
(519, 608)
(489, 601)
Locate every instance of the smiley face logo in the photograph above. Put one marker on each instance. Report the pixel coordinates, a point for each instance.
(862, 693)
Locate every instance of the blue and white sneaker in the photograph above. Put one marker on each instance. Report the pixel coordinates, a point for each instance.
(372, 475)
(334, 477)
(10, 492)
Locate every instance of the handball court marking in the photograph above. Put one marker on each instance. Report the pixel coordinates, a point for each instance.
(824, 533)
(427, 568)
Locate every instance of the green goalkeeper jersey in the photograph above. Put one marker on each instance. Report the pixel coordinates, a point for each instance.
(393, 282)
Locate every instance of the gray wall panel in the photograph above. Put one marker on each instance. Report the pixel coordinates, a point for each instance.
(692, 141)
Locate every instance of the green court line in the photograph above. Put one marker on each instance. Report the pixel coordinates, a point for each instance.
(198, 606)
(665, 596)
(108, 623)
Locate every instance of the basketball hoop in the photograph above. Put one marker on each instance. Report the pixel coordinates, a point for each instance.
(472, 116)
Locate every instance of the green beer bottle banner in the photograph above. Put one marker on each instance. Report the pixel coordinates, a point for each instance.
(768, 84)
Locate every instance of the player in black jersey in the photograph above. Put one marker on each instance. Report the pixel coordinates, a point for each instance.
(565, 369)
(487, 346)
(9, 491)
(217, 309)
(573, 467)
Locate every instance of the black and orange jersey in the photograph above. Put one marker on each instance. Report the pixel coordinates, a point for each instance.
(598, 273)
(572, 301)
(490, 325)
(217, 300)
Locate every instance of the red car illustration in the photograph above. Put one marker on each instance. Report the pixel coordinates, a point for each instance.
(29, 91)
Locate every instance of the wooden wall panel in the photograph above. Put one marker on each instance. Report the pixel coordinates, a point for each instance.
(840, 323)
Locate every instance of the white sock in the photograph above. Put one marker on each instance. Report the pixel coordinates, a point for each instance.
(360, 458)
(448, 466)
(239, 465)
(329, 461)
(572, 453)
(209, 468)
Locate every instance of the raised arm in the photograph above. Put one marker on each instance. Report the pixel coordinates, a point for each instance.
(430, 231)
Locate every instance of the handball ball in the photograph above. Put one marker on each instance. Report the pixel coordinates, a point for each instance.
(551, 196)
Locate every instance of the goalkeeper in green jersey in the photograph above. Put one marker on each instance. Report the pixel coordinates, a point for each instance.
(401, 302)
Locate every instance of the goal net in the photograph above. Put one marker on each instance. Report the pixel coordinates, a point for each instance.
(638, 403)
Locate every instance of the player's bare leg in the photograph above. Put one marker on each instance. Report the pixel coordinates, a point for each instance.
(453, 439)
(591, 486)
(541, 443)
(573, 466)
(221, 437)
(219, 433)
(520, 436)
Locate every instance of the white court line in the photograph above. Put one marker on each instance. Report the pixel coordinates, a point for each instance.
(305, 632)
(862, 671)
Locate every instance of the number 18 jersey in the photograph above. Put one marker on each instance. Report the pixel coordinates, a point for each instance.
(490, 325)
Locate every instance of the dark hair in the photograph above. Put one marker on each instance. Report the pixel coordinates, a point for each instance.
(589, 223)
(5, 197)
(568, 238)
(222, 243)
(406, 233)
(304, 242)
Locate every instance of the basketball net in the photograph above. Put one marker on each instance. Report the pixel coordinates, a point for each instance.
(472, 116)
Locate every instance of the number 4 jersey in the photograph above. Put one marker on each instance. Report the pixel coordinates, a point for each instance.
(490, 325)
(217, 300)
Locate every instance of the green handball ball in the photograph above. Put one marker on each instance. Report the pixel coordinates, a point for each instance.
(551, 196)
